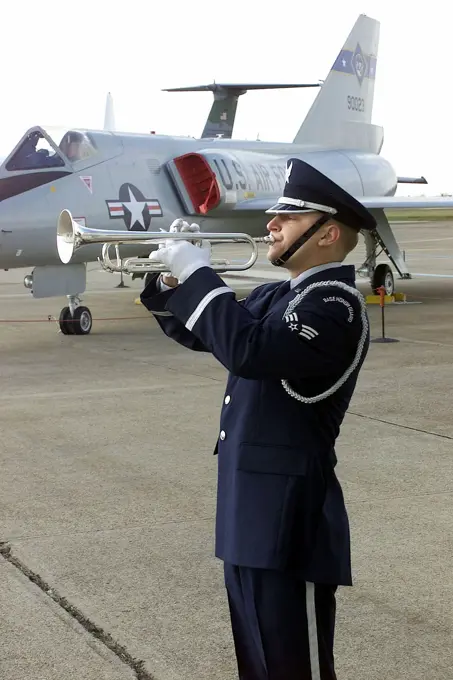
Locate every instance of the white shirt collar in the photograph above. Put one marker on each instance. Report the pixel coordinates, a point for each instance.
(313, 270)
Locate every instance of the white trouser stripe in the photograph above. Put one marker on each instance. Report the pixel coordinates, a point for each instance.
(312, 631)
(193, 318)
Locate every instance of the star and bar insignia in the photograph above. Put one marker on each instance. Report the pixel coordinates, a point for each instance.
(134, 208)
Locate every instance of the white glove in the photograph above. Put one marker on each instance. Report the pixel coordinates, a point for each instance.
(182, 225)
(182, 258)
(178, 225)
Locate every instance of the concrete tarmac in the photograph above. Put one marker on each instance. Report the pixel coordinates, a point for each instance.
(108, 483)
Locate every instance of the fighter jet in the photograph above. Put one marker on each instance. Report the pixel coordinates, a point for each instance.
(141, 183)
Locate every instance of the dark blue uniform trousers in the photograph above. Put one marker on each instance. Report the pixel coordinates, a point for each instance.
(283, 627)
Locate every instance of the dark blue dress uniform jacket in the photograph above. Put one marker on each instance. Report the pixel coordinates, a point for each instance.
(279, 502)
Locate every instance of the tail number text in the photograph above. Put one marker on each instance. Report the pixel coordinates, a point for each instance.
(356, 103)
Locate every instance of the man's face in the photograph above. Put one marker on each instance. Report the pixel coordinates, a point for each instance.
(286, 228)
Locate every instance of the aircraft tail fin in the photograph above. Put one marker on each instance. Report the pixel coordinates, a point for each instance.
(340, 116)
(109, 116)
(220, 121)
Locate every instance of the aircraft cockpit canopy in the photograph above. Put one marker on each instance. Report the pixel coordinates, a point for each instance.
(34, 153)
(77, 146)
(39, 151)
(43, 156)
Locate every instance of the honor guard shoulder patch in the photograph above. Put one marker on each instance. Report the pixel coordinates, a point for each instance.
(341, 300)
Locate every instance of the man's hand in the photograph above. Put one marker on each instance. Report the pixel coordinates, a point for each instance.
(171, 254)
(182, 258)
(181, 225)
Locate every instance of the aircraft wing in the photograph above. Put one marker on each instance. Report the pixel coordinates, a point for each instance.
(256, 204)
(407, 202)
(383, 202)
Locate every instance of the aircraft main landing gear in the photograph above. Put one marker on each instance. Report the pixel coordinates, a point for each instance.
(383, 276)
(382, 240)
(75, 319)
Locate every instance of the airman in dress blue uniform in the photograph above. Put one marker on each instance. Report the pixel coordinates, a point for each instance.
(293, 350)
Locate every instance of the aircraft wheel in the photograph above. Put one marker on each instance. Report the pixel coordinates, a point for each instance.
(82, 321)
(65, 321)
(383, 276)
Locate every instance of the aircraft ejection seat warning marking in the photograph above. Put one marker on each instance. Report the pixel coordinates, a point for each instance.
(88, 181)
(134, 208)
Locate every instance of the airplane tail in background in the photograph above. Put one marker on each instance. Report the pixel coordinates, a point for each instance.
(221, 117)
(109, 117)
(340, 116)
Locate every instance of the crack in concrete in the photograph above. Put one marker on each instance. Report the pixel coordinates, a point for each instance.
(404, 427)
(103, 530)
(119, 650)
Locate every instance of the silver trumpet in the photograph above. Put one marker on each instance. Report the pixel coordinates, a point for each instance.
(71, 236)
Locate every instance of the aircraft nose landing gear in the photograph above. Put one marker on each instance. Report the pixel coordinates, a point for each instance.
(55, 280)
(75, 319)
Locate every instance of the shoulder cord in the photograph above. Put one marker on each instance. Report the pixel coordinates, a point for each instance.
(353, 366)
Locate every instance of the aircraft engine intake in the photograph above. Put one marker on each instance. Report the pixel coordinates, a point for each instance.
(217, 182)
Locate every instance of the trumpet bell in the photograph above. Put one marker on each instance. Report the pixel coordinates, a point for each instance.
(66, 236)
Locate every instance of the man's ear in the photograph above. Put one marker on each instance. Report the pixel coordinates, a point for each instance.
(331, 234)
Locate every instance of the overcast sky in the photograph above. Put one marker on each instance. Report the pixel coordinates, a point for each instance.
(60, 58)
